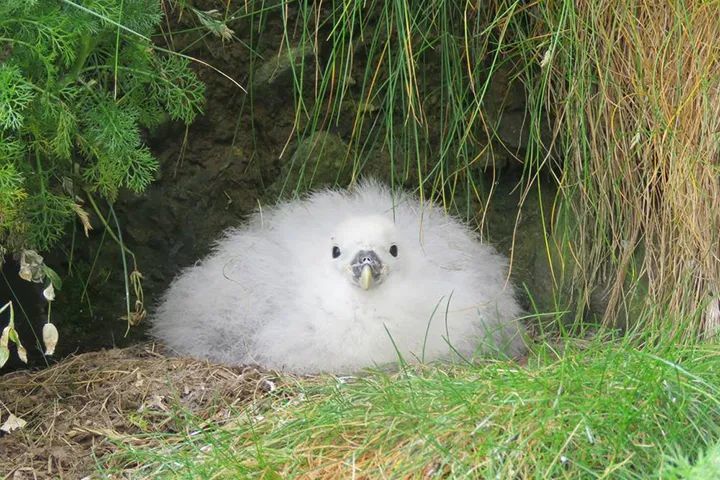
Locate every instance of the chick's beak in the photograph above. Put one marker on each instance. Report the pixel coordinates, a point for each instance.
(367, 269)
(366, 277)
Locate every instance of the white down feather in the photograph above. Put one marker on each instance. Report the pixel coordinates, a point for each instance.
(271, 292)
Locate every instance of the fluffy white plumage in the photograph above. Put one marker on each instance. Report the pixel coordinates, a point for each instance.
(312, 285)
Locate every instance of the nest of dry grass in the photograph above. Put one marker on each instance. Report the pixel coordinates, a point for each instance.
(79, 409)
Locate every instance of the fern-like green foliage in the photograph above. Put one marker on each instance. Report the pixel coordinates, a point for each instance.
(79, 81)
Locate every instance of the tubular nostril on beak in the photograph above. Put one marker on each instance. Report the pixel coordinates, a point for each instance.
(366, 268)
(367, 257)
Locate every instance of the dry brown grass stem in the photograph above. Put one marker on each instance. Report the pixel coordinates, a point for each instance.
(639, 83)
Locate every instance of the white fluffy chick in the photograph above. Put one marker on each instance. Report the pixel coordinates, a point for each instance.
(342, 280)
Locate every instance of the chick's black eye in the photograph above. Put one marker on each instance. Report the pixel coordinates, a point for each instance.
(336, 252)
(393, 250)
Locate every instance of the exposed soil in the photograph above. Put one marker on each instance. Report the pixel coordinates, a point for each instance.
(238, 154)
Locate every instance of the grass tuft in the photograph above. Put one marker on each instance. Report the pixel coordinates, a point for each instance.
(596, 410)
(634, 88)
(706, 467)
